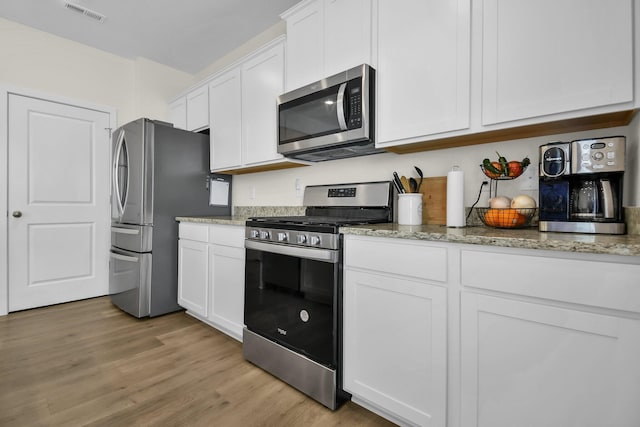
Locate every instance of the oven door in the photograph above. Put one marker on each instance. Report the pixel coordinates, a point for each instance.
(291, 297)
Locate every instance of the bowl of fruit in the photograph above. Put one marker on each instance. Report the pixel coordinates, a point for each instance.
(504, 212)
(503, 169)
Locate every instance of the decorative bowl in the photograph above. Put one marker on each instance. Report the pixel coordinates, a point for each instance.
(506, 218)
(492, 175)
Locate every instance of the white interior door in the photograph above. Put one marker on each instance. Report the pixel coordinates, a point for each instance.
(58, 202)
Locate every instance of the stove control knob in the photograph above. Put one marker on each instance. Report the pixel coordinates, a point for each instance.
(302, 239)
(283, 237)
(264, 235)
(314, 240)
(254, 234)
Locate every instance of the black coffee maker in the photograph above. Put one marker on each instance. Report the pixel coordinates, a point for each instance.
(580, 187)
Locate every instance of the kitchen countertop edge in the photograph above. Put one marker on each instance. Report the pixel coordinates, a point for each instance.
(522, 238)
(223, 220)
(525, 238)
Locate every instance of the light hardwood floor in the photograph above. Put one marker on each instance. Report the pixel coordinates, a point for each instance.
(88, 363)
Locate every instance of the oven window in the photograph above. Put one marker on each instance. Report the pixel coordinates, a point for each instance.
(291, 300)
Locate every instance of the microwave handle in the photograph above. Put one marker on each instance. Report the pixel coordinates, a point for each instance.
(342, 118)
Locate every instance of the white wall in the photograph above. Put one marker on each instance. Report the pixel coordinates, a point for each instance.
(248, 47)
(278, 188)
(39, 61)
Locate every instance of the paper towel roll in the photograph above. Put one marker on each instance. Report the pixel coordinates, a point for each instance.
(455, 198)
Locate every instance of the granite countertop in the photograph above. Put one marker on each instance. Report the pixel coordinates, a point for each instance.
(224, 220)
(523, 238)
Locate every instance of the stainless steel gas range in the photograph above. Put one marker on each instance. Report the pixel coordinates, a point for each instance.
(293, 286)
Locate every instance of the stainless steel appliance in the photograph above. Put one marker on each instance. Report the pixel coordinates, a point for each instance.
(158, 173)
(329, 119)
(293, 286)
(580, 188)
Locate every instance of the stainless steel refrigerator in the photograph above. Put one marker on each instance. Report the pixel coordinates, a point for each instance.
(158, 172)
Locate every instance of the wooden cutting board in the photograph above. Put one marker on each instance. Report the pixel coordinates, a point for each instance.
(434, 200)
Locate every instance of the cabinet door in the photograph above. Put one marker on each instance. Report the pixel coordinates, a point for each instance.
(305, 45)
(423, 63)
(225, 131)
(395, 345)
(193, 276)
(347, 34)
(527, 364)
(227, 289)
(262, 82)
(178, 113)
(551, 56)
(198, 109)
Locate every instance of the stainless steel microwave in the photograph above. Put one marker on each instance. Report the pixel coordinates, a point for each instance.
(329, 119)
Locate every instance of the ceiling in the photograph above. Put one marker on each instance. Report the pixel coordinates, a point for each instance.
(187, 35)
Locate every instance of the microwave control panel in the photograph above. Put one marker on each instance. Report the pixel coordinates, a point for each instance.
(355, 108)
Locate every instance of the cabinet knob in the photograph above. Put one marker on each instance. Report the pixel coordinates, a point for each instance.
(16, 214)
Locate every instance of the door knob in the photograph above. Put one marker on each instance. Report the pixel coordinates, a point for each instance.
(17, 214)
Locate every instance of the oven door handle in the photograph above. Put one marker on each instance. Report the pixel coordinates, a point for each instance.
(325, 255)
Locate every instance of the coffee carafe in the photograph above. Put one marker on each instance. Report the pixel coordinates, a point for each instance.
(580, 188)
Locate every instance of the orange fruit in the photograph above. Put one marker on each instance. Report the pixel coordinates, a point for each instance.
(504, 218)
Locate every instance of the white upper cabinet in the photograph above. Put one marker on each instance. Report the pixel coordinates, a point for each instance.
(423, 68)
(198, 109)
(262, 82)
(225, 112)
(305, 48)
(243, 111)
(178, 113)
(191, 111)
(325, 37)
(347, 35)
(553, 56)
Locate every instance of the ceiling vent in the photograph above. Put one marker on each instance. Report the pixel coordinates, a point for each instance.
(86, 12)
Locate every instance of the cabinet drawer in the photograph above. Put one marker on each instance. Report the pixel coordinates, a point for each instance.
(589, 282)
(191, 231)
(227, 235)
(397, 256)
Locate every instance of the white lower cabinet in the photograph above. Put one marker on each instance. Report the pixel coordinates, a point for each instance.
(445, 334)
(549, 339)
(395, 346)
(531, 364)
(395, 334)
(211, 275)
(226, 285)
(193, 276)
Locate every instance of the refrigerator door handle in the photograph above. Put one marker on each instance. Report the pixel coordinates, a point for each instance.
(116, 176)
(125, 230)
(124, 257)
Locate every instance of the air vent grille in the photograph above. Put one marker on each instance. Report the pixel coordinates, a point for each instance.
(86, 12)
